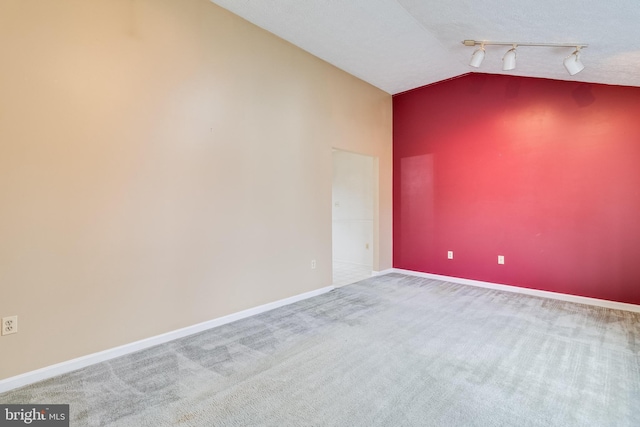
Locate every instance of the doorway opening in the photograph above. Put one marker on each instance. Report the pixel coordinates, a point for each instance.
(353, 201)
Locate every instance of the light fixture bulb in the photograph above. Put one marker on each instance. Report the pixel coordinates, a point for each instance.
(572, 62)
(509, 59)
(477, 57)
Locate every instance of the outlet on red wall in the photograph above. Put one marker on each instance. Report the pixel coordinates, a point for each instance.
(543, 172)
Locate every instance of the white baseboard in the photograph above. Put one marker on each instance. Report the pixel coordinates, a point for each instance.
(534, 292)
(91, 359)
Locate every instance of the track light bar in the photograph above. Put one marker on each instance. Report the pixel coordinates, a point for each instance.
(494, 43)
(572, 62)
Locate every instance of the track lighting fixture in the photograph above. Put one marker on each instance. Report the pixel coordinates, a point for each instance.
(572, 62)
(509, 59)
(477, 57)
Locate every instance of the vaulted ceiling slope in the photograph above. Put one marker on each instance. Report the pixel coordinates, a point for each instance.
(398, 45)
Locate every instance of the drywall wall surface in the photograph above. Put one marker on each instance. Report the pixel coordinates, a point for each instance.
(542, 172)
(163, 163)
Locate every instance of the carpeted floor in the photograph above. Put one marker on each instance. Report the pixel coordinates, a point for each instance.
(392, 350)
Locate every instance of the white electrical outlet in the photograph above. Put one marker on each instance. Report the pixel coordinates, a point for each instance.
(9, 325)
(313, 264)
(450, 254)
(500, 259)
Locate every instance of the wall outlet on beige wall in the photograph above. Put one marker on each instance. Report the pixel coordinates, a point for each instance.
(9, 325)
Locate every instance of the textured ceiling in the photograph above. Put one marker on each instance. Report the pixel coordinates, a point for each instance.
(398, 45)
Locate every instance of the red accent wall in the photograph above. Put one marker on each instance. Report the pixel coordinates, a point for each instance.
(544, 172)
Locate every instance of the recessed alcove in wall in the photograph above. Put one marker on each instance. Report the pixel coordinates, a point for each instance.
(353, 201)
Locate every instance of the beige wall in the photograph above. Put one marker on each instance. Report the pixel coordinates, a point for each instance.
(163, 163)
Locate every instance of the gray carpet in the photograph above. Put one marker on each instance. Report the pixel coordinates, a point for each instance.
(388, 351)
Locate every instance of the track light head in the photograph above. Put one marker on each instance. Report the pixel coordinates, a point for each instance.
(509, 59)
(572, 62)
(477, 57)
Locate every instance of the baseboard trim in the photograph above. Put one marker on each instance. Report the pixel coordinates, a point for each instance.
(534, 292)
(102, 356)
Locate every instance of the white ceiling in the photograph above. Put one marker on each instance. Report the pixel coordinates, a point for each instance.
(398, 45)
